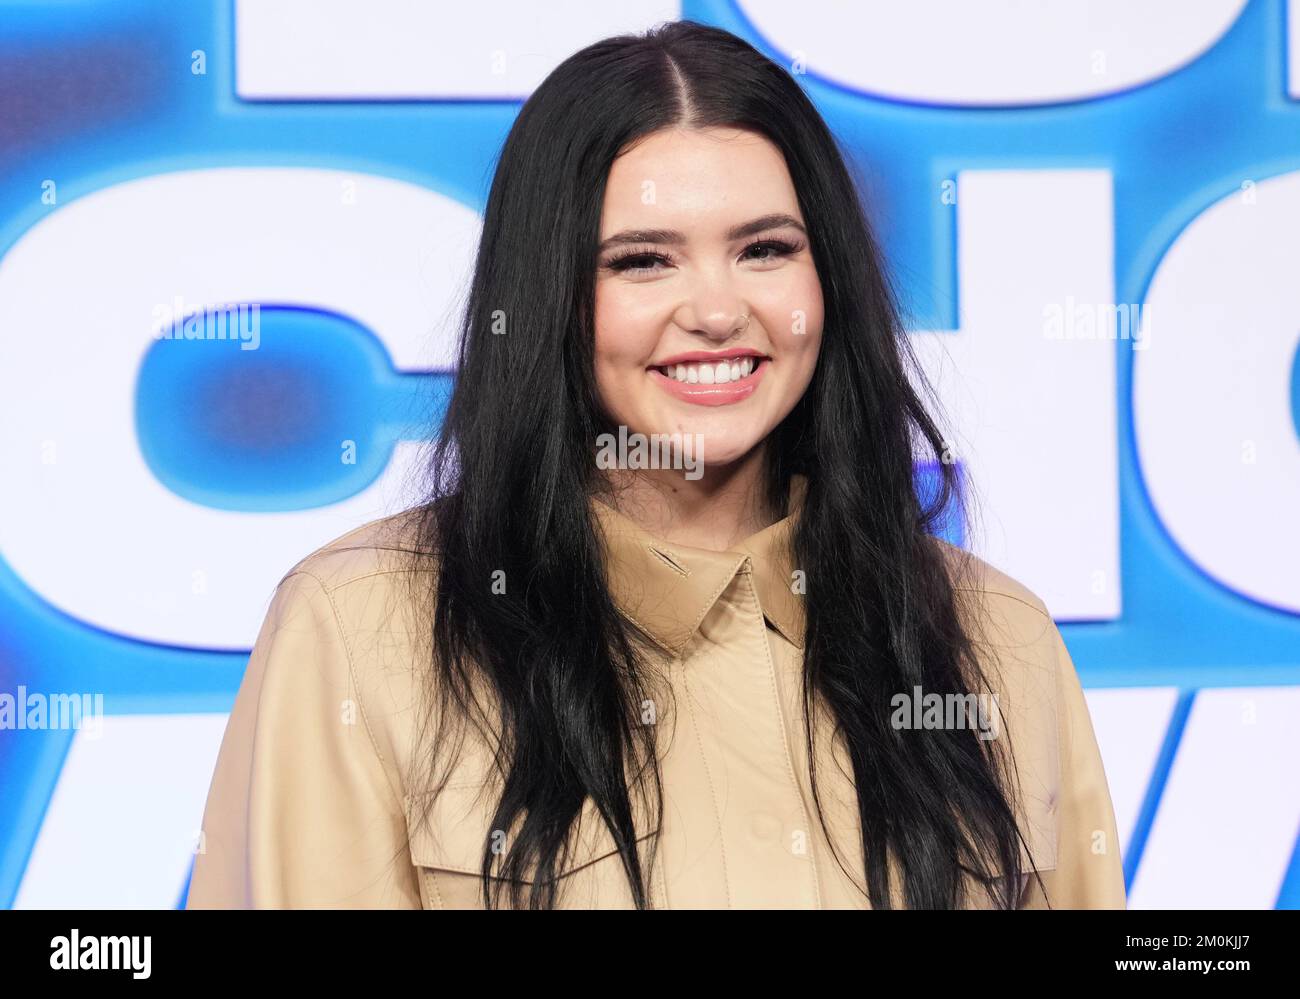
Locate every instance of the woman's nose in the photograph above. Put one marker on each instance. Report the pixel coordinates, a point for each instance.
(719, 317)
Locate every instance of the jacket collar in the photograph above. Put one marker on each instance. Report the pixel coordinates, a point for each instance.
(667, 589)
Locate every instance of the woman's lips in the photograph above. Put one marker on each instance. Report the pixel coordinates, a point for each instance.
(711, 395)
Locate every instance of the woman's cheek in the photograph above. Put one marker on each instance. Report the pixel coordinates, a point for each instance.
(799, 336)
(619, 367)
(812, 306)
(625, 334)
(794, 308)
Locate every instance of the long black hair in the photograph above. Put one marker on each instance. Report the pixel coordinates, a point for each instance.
(548, 670)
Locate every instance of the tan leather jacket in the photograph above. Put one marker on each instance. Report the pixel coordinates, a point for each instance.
(310, 804)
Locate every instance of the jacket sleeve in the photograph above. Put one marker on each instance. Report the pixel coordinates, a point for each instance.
(302, 811)
(1089, 873)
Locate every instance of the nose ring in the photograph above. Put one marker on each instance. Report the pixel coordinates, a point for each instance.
(745, 327)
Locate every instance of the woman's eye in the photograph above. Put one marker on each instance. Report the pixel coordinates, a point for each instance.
(635, 262)
(645, 262)
(770, 249)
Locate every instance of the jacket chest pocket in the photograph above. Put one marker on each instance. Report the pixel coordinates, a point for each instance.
(1041, 830)
(448, 850)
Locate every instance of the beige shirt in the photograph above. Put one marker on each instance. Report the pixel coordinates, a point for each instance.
(310, 806)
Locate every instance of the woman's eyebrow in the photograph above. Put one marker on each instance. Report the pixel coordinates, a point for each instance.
(675, 238)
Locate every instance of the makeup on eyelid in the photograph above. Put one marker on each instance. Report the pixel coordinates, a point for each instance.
(622, 262)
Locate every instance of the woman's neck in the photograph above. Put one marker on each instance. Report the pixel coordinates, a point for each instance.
(724, 506)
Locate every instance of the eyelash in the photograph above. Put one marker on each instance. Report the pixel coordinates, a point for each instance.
(621, 263)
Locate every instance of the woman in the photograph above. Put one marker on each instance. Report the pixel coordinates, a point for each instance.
(737, 672)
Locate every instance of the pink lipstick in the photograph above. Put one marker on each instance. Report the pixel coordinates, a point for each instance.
(711, 378)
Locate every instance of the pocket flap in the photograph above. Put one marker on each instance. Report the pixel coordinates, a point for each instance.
(458, 832)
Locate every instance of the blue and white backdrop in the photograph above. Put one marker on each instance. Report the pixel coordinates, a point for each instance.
(1092, 210)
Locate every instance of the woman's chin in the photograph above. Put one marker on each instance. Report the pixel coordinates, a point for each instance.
(723, 449)
(703, 443)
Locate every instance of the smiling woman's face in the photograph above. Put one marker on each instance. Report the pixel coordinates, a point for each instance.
(699, 229)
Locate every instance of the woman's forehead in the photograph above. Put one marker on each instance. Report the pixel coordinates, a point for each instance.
(694, 177)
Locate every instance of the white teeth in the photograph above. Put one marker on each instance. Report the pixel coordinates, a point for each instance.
(712, 374)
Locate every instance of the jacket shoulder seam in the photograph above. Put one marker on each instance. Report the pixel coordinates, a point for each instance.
(352, 673)
(309, 566)
(1007, 596)
(371, 573)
